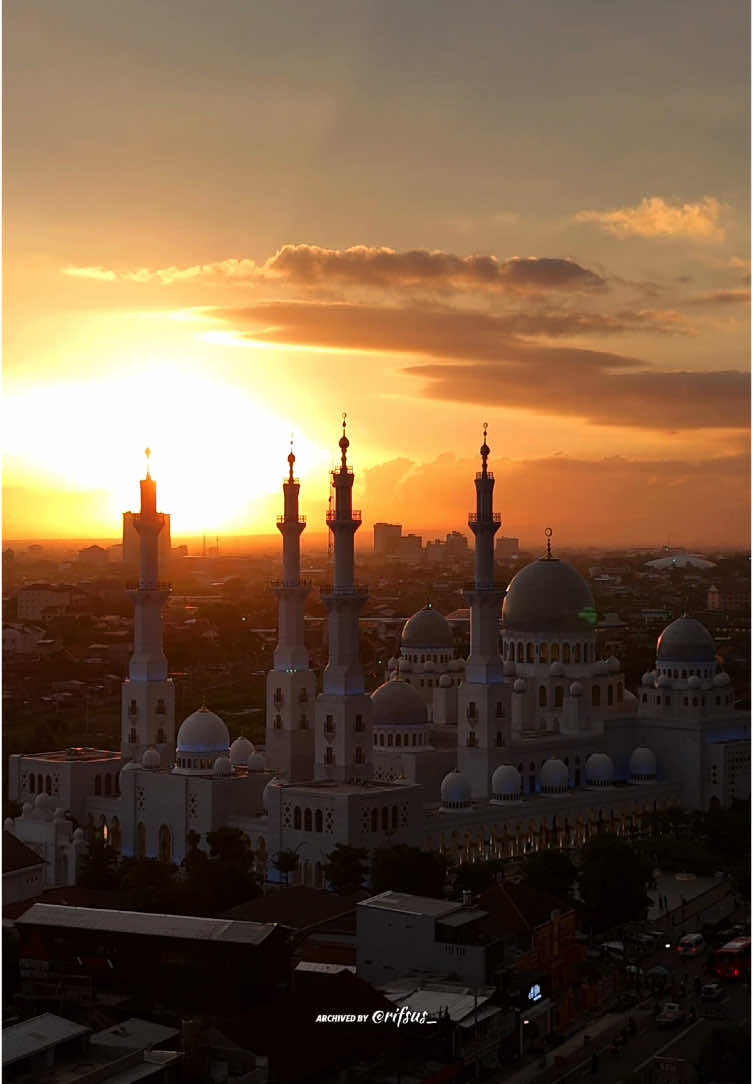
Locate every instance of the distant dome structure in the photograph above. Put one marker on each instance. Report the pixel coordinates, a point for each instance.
(129, 767)
(456, 664)
(681, 559)
(42, 802)
(599, 770)
(576, 689)
(222, 766)
(8, 824)
(694, 682)
(613, 664)
(664, 682)
(26, 809)
(455, 791)
(397, 702)
(685, 640)
(273, 783)
(446, 681)
(600, 668)
(557, 669)
(240, 751)
(506, 784)
(519, 685)
(648, 678)
(427, 628)
(151, 760)
(548, 596)
(555, 776)
(255, 763)
(203, 732)
(721, 679)
(78, 835)
(642, 766)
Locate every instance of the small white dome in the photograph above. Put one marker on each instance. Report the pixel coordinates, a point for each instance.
(203, 732)
(722, 679)
(576, 689)
(59, 814)
(506, 783)
(78, 835)
(694, 682)
(508, 668)
(273, 783)
(223, 766)
(406, 666)
(26, 809)
(642, 765)
(240, 751)
(429, 667)
(600, 668)
(554, 776)
(397, 701)
(519, 685)
(150, 759)
(599, 770)
(427, 628)
(42, 801)
(456, 665)
(455, 791)
(557, 669)
(255, 763)
(8, 824)
(613, 665)
(648, 678)
(446, 681)
(129, 767)
(664, 682)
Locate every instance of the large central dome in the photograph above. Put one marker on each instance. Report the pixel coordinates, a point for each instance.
(397, 702)
(427, 628)
(686, 640)
(548, 596)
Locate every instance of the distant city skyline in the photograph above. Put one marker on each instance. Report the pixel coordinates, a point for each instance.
(424, 216)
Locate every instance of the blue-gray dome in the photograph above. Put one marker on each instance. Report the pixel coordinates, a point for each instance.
(685, 640)
(427, 628)
(548, 596)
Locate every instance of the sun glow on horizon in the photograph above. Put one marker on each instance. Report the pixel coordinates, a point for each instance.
(218, 456)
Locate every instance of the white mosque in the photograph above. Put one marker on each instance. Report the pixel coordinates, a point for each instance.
(536, 744)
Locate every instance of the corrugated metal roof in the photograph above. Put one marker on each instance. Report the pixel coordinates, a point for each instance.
(134, 1034)
(411, 905)
(38, 1034)
(460, 918)
(134, 922)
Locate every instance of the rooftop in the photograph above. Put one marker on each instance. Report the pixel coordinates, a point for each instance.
(407, 904)
(134, 1033)
(76, 753)
(38, 1034)
(16, 855)
(133, 922)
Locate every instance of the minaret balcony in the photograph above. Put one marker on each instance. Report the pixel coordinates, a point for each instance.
(291, 519)
(134, 585)
(356, 590)
(474, 517)
(333, 517)
(482, 474)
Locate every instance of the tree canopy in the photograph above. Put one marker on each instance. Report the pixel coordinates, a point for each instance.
(345, 869)
(408, 869)
(550, 871)
(612, 881)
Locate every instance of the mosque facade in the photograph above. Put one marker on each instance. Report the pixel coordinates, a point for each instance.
(532, 741)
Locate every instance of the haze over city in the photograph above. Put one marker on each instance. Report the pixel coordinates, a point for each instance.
(223, 228)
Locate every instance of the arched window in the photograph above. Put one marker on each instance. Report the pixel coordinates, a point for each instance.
(499, 737)
(498, 713)
(297, 818)
(684, 674)
(108, 784)
(695, 701)
(32, 781)
(532, 778)
(40, 784)
(577, 771)
(165, 844)
(544, 652)
(394, 818)
(97, 784)
(555, 652)
(385, 819)
(644, 698)
(140, 840)
(359, 755)
(307, 820)
(520, 652)
(559, 694)
(529, 653)
(115, 835)
(620, 692)
(318, 821)
(398, 739)
(542, 696)
(595, 696)
(389, 739)
(413, 742)
(610, 694)
(48, 784)
(375, 820)
(566, 652)
(381, 739)
(576, 653)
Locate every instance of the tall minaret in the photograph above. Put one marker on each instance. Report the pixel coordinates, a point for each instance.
(483, 713)
(148, 694)
(343, 711)
(291, 685)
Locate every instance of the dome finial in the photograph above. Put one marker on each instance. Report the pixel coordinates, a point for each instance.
(344, 443)
(148, 454)
(291, 459)
(484, 449)
(548, 533)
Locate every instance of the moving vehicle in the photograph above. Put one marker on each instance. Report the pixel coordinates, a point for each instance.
(732, 961)
(670, 1015)
(692, 944)
(712, 991)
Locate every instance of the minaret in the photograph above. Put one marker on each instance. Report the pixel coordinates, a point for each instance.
(291, 685)
(343, 711)
(483, 713)
(148, 695)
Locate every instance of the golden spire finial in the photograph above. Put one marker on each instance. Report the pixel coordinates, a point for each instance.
(291, 459)
(344, 443)
(484, 449)
(148, 454)
(548, 533)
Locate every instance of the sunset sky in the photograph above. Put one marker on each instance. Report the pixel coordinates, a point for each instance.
(228, 222)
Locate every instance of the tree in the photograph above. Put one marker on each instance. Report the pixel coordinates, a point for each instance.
(97, 868)
(476, 877)
(286, 862)
(612, 882)
(149, 885)
(230, 845)
(345, 869)
(550, 871)
(408, 869)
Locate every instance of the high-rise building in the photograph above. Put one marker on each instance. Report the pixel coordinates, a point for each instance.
(387, 538)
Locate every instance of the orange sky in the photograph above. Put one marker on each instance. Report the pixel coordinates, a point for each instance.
(261, 219)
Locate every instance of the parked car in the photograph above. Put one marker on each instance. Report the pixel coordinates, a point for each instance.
(670, 1015)
(615, 949)
(712, 991)
(692, 944)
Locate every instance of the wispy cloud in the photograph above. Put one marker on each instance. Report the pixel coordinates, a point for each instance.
(482, 358)
(380, 268)
(722, 297)
(655, 217)
(101, 274)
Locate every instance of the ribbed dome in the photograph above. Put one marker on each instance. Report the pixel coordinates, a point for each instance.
(649, 677)
(613, 665)
(519, 685)
(427, 628)
(548, 596)
(721, 679)
(446, 681)
(397, 702)
(554, 776)
(664, 682)
(642, 764)
(203, 732)
(557, 669)
(506, 783)
(599, 769)
(222, 766)
(240, 751)
(694, 682)
(685, 640)
(576, 689)
(150, 759)
(455, 791)
(255, 763)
